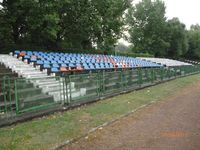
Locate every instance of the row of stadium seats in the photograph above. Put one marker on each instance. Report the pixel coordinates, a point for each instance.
(166, 62)
(65, 62)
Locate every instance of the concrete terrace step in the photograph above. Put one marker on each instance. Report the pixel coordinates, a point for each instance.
(33, 72)
(34, 76)
(39, 79)
(38, 100)
(60, 95)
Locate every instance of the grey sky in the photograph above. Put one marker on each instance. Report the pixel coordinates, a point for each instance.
(186, 10)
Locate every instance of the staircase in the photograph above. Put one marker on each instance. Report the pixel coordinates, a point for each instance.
(28, 95)
(49, 85)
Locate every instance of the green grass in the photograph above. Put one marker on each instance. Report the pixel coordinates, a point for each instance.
(46, 132)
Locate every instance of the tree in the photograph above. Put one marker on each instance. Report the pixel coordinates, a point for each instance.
(29, 24)
(177, 37)
(111, 21)
(194, 42)
(60, 25)
(147, 27)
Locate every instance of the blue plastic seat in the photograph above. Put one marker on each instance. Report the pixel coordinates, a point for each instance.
(46, 62)
(55, 70)
(46, 66)
(53, 62)
(55, 66)
(39, 62)
(71, 65)
(27, 57)
(60, 62)
(86, 67)
(64, 65)
(97, 67)
(17, 52)
(33, 59)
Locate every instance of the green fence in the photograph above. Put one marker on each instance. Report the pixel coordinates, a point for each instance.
(20, 96)
(30, 96)
(7, 96)
(83, 88)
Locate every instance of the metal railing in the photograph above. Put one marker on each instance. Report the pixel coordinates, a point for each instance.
(19, 96)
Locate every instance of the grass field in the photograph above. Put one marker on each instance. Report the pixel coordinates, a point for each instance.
(46, 132)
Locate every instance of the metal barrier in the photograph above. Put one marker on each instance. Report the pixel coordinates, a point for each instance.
(82, 88)
(7, 98)
(19, 96)
(38, 93)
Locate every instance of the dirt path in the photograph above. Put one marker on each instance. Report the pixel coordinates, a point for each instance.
(172, 124)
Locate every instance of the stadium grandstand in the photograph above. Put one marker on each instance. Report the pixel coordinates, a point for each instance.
(64, 62)
(35, 82)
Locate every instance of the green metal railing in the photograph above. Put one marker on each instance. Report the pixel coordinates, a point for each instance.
(29, 96)
(19, 95)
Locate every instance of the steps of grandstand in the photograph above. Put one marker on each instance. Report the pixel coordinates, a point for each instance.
(26, 92)
(48, 85)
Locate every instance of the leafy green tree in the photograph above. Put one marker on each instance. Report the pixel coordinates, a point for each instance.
(66, 24)
(194, 42)
(29, 24)
(177, 37)
(13, 23)
(110, 21)
(147, 27)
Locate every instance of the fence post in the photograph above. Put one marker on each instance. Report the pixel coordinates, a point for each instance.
(98, 81)
(16, 97)
(139, 77)
(152, 75)
(101, 83)
(123, 80)
(66, 92)
(10, 97)
(62, 89)
(5, 93)
(147, 75)
(161, 74)
(70, 90)
(103, 78)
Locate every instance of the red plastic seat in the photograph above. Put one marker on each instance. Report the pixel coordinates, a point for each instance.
(65, 69)
(22, 54)
(78, 68)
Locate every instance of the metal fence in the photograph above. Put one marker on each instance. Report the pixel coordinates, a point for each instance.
(19, 96)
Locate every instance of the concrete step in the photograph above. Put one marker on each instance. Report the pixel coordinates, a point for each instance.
(60, 96)
(28, 92)
(35, 76)
(49, 83)
(37, 100)
(40, 79)
(34, 72)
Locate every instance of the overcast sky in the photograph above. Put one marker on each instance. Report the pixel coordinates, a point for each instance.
(188, 11)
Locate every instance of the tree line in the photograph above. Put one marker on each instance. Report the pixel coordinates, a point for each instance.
(150, 31)
(83, 25)
(60, 25)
